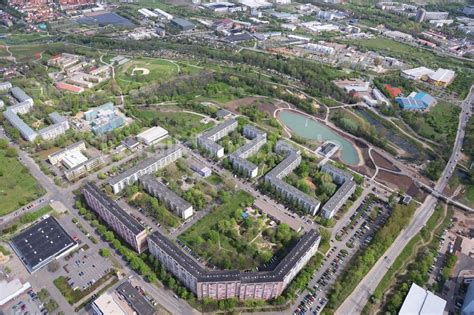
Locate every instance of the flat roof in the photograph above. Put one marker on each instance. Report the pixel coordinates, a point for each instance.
(73, 146)
(39, 244)
(442, 75)
(135, 299)
(107, 305)
(73, 158)
(152, 133)
(422, 302)
(142, 165)
(168, 194)
(418, 72)
(130, 222)
(10, 290)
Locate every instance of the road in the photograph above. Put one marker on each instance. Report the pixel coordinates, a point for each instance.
(359, 297)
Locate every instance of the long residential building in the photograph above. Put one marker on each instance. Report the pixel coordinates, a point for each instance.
(225, 284)
(174, 202)
(120, 221)
(238, 158)
(26, 131)
(20, 95)
(208, 139)
(288, 192)
(147, 166)
(344, 192)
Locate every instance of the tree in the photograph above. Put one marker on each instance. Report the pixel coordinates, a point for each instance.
(11, 152)
(3, 144)
(104, 252)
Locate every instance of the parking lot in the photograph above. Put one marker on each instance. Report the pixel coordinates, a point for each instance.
(83, 269)
(25, 304)
(356, 234)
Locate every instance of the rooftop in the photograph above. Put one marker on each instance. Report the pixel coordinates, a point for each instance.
(130, 222)
(135, 299)
(167, 193)
(422, 302)
(142, 165)
(40, 243)
(19, 94)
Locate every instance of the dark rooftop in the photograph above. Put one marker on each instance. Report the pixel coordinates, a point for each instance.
(41, 243)
(135, 299)
(130, 222)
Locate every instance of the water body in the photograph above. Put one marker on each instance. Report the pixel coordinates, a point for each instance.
(310, 129)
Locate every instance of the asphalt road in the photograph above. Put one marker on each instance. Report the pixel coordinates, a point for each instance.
(359, 297)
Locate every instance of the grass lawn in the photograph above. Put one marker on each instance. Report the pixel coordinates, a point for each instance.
(469, 196)
(214, 179)
(141, 72)
(17, 186)
(230, 242)
(178, 124)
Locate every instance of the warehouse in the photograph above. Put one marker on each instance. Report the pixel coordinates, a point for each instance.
(182, 24)
(42, 243)
(442, 77)
(152, 135)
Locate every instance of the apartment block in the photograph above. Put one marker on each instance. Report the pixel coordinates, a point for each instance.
(208, 139)
(285, 190)
(120, 221)
(238, 158)
(225, 284)
(20, 95)
(147, 166)
(344, 192)
(173, 202)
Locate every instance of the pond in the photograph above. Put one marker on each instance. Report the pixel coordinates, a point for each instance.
(310, 129)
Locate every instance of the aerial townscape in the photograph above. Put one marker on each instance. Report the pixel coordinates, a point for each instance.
(236, 157)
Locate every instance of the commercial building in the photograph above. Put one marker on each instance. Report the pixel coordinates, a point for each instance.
(422, 302)
(344, 192)
(84, 168)
(147, 166)
(58, 156)
(110, 304)
(220, 284)
(238, 159)
(10, 290)
(104, 118)
(120, 221)
(42, 243)
(291, 194)
(172, 201)
(152, 135)
(441, 77)
(416, 101)
(182, 24)
(207, 140)
(136, 300)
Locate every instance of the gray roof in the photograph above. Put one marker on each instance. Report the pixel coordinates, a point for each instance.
(219, 128)
(130, 222)
(169, 196)
(19, 94)
(235, 159)
(283, 147)
(341, 193)
(56, 118)
(182, 23)
(135, 299)
(283, 165)
(328, 168)
(142, 165)
(69, 147)
(203, 275)
(222, 113)
(19, 124)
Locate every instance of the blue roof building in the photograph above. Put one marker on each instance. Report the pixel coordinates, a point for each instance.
(416, 101)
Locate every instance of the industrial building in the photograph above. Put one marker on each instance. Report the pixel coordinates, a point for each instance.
(291, 194)
(182, 24)
(207, 140)
(416, 101)
(152, 135)
(42, 243)
(225, 284)
(147, 166)
(344, 192)
(104, 118)
(172, 201)
(120, 221)
(238, 159)
(422, 302)
(440, 77)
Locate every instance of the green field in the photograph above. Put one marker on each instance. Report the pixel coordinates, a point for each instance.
(17, 186)
(141, 72)
(469, 195)
(179, 124)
